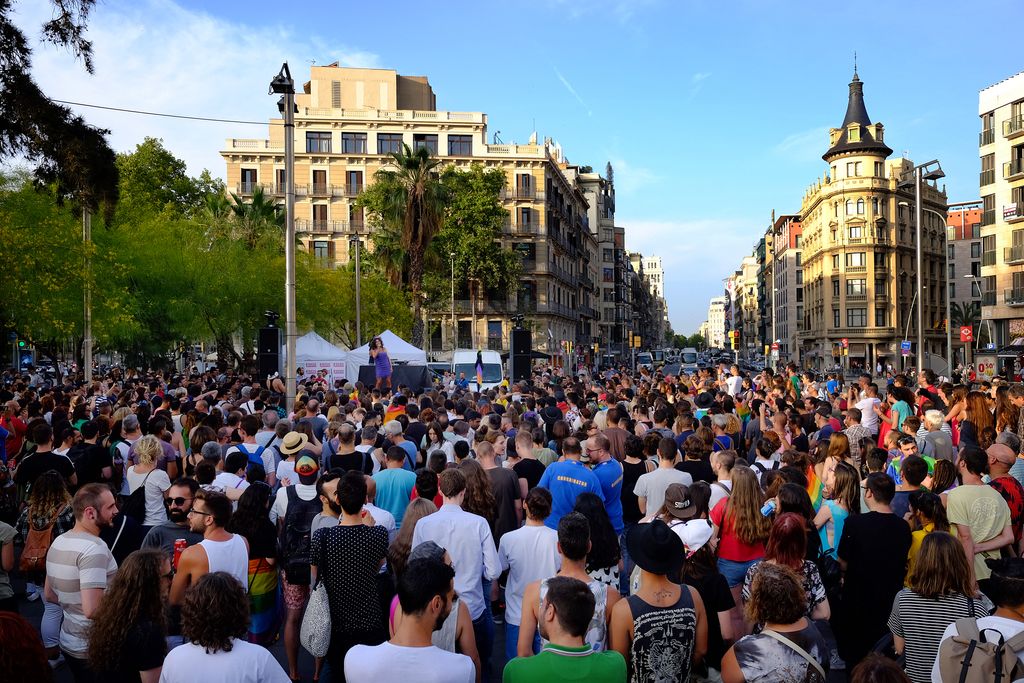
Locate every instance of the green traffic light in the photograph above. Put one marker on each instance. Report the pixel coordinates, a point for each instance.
(21, 344)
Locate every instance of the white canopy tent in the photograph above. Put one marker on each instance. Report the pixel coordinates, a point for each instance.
(399, 351)
(314, 353)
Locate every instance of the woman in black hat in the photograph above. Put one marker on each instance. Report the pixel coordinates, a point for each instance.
(661, 630)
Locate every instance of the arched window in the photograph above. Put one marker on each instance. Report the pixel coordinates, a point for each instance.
(849, 207)
(860, 206)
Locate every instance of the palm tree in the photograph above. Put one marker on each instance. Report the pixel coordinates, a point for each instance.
(254, 219)
(416, 204)
(962, 315)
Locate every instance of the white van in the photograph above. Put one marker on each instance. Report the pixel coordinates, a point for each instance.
(464, 361)
(688, 360)
(644, 360)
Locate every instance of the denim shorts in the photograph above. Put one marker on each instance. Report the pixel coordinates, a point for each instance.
(734, 572)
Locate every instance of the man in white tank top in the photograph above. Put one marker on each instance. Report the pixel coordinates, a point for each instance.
(219, 551)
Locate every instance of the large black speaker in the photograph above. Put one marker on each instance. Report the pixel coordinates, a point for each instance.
(269, 351)
(521, 354)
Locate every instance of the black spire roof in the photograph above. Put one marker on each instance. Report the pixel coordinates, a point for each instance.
(856, 112)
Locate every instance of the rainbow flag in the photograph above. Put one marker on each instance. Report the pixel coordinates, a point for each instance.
(815, 488)
(479, 370)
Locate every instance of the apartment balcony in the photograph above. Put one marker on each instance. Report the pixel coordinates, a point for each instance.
(988, 217)
(309, 227)
(856, 269)
(1013, 170)
(987, 177)
(863, 296)
(1014, 296)
(353, 190)
(988, 258)
(522, 193)
(1013, 213)
(1014, 254)
(1013, 128)
(987, 136)
(520, 229)
(322, 190)
(246, 189)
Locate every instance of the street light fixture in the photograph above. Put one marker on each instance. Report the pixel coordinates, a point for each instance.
(355, 244)
(949, 329)
(283, 85)
(930, 170)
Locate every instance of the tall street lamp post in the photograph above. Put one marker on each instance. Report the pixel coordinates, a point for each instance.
(284, 85)
(927, 171)
(355, 245)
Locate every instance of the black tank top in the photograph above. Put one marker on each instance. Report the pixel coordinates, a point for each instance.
(663, 640)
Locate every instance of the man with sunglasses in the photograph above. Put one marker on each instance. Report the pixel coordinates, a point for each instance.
(219, 551)
(178, 502)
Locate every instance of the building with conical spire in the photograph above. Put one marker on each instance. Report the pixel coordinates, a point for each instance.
(858, 252)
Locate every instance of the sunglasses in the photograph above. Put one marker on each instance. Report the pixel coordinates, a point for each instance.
(179, 501)
(193, 511)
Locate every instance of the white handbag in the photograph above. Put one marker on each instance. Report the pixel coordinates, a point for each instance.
(315, 633)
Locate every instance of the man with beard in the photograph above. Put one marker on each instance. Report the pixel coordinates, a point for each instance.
(565, 616)
(79, 566)
(425, 592)
(178, 501)
(219, 551)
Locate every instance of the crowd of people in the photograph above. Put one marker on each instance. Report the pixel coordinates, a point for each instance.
(609, 527)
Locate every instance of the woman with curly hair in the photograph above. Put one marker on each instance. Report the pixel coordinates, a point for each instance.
(479, 496)
(213, 621)
(127, 637)
(49, 505)
(252, 521)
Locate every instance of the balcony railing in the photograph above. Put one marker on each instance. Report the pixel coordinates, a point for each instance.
(1013, 213)
(320, 190)
(494, 344)
(1013, 127)
(856, 269)
(857, 297)
(987, 137)
(522, 193)
(988, 217)
(248, 188)
(1013, 254)
(1014, 296)
(315, 227)
(987, 177)
(353, 190)
(988, 258)
(1013, 169)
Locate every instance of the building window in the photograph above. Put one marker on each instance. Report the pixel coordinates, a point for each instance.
(389, 143)
(525, 217)
(353, 143)
(425, 140)
(976, 269)
(952, 291)
(874, 206)
(318, 141)
(799, 277)
(798, 241)
(799, 259)
(320, 249)
(460, 145)
(881, 316)
(849, 207)
(856, 232)
(951, 250)
(880, 286)
(856, 317)
(607, 255)
(853, 134)
(835, 261)
(975, 250)
(354, 181)
(608, 274)
(952, 271)
(800, 295)
(860, 206)
(835, 287)
(975, 289)
(835, 318)
(248, 180)
(857, 287)
(855, 259)
(879, 169)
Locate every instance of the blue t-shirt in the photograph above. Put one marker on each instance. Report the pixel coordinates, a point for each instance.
(410, 448)
(566, 480)
(839, 516)
(609, 473)
(394, 486)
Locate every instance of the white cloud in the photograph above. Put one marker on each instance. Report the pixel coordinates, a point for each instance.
(700, 76)
(572, 91)
(805, 145)
(155, 55)
(630, 179)
(696, 255)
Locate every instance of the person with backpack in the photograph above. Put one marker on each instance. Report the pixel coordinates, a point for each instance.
(294, 509)
(256, 453)
(47, 516)
(963, 656)
(147, 485)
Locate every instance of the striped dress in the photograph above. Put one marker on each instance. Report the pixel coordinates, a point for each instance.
(920, 621)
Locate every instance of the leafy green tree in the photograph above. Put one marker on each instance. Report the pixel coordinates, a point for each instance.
(152, 180)
(69, 156)
(411, 200)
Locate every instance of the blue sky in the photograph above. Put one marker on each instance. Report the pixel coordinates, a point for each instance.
(713, 114)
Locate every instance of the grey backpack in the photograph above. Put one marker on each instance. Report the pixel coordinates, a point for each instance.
(974, 656)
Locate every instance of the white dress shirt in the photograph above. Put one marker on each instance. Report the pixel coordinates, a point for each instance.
(469, 543)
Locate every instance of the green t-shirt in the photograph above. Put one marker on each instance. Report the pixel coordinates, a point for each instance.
(982, 510)
(556, 663)
(7, 534)
(795, 381)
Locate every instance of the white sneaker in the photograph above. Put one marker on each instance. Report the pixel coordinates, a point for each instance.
(57, 662)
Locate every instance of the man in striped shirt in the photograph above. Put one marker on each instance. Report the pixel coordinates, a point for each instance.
(79, 567)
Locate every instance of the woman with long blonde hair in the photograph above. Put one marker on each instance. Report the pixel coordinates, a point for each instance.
(145, 473)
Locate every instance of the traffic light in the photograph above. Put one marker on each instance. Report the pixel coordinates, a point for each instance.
(21, 343)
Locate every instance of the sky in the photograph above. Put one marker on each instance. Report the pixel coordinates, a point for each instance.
(712, 114)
